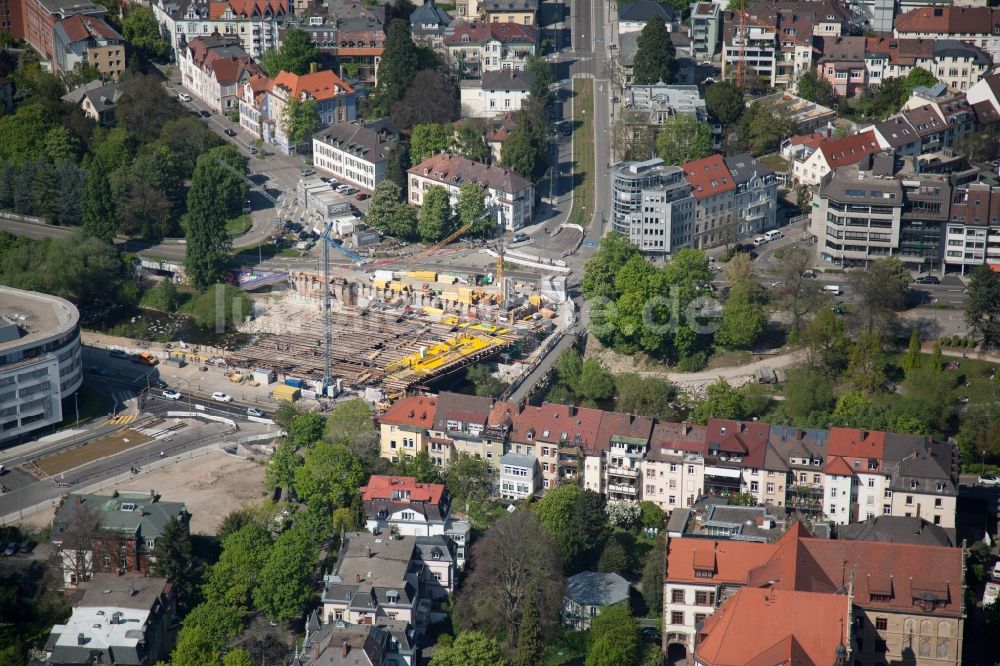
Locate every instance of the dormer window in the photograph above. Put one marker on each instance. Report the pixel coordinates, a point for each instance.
(392, 597)
(914, 484)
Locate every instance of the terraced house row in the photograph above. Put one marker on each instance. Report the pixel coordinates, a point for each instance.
(843, 475)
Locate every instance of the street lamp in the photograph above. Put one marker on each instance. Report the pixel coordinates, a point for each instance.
(187, 383)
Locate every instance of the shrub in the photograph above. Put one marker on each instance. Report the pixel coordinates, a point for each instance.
(693, 363)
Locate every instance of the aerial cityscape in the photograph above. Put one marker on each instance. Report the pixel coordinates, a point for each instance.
(499, 332)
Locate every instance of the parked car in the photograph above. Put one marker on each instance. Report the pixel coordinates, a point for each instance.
(253, 151)
(184, 97)
(360, 196)
(11, 549)
(171, 395)
(117, 353)
(229, 132)
(253, 411)
(650, 634)
(204, 114)
(222, 397)
(989, 480)
(519, 237)
(995, 573)
(27, 546)
(928, 279)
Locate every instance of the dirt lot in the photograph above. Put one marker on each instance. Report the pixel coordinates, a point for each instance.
(211, 485)
(81, 455)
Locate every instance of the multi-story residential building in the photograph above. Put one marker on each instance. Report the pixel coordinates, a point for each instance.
(495, 93)
(896, 529)
(379, 577)
(262, 103)
(83, 39)
(756, 194)
(902, 599)
(97, 99)
(12, 17)
(111, 534)
(972, 25)
(214, 68)
(428, 24)
(458, 428)
(257, 23)
(842, 65)
(673, 471)
(351, 34)
(713, 189)
(705, 30)
(42, 16)
(511, 198)
(794, 475)
(833, 154)
(355, 153)
(40, 360)
(613, 464)
(856, 217)
(734, 457)
(923, 479)
(389, 643)
(477, 47)
(657, 102)
(404, 427)
(519, 476)
(119, 619)
(518, 12)
(633, 16)
(973, 229)
(652, 204)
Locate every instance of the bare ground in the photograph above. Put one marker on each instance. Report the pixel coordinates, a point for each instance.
(211, 485)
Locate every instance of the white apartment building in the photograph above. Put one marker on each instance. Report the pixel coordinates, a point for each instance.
(213, 68)
(40, 360)
(495, 94)
(511, 197)
(257, 23)
(355, 153)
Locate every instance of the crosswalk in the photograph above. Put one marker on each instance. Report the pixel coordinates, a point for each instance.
(122, 419)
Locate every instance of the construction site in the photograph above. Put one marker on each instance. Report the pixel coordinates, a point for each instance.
(391, 331)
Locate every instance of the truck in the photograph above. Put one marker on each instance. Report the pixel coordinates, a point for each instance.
(383, 276)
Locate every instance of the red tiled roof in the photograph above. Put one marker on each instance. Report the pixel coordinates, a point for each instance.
(480, 32)
(412, 411)
(732, 559)
(247, 8)
(813, 140)
(623, 425)
(948, 20)
(745, 439)
(801, 628)
(837, 466)
(452, 169)
(320, 85)
(79, 27)
(549, 423)
(708, 176)
(856, 443)
(679, 436)
(849, 150)
(394, 487)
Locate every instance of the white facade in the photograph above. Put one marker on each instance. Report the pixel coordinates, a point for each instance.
(408, 523)
(479, 101)
(40, 360)
(673, 480)
(684, 606)
(518, 476)
(257, 33)
(837, 498)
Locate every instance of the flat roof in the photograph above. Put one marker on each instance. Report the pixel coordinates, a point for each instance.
(38, 316)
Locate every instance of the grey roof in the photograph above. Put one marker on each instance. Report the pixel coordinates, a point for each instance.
(744, 167)
(436, 548)
(851, 185)
(428, 14)
(921, 464)
(591, 588)
(896, 529)
(371, 141)
(366, 645)
(370, 569)
(897, 131)
(131, 513)
(518, 460)
(786, 443)
(510, 5)
(627, 47)
(677, 523)
(507, 79)
(460, 407)
(643, 10)
(952, 48)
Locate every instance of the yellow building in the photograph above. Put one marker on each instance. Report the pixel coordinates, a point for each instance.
(404, 428)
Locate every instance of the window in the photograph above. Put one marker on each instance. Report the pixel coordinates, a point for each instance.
(770, 487)
(937, 502)
(677, 596)
(871, 483)
(704, 598)
(754, 486)
(700, 617)
(677, 617)
(909, 500)
(881, 624)
(408, 515)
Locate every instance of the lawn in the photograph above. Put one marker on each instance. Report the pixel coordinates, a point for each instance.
(583, 152)
(238, 225)
(81, 455)
(566, 649)
(972, 376)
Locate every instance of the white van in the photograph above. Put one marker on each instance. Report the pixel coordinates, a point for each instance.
(833, 289)
(772, 235)
(760, 240)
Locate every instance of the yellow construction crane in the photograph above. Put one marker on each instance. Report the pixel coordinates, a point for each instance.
(449, 238)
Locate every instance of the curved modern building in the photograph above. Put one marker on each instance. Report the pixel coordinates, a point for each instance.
(40, 360)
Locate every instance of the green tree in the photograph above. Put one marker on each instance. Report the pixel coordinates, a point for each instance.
(595, 383)
(866, 369)
(807, 391)
(743, 319)
(649, 396)
(937, 362)
(307, 429)
(471, 205)
(826, 342)
(419, 466)
(683, 139)
(233, 578)
(613, 558)
(568, 368)
(237, 657)
(350, 421)
(280, 471)
(654, 55)
(330, 475)
(982, 303)
(215, 623)
(194, 648)
(296, 54)
(299, 119)
(285, 414)
(435, 220)
(81, 74)
(911, 360)
(815, 89)
(471, 647)
(915, 78)
(722, 401)
(208, 243)
(525, 151)
(396, 165)
(396, 69)
(542, 76)
(432, 97)
(651, 514)
(743, 499)
(725, 102)
(146, 213)
(799, 295)
(469, 478)
(286, 580)
(141, 29)
(614, 638)
(652, 577)
(205, 307)
(882, 290)
(389, 214)
(577, 522)
(174, 559)
(601, 269)
(470, 143)
(430, 139)
(762, 129)
(529, 636)
(480, 376)
(99, 216)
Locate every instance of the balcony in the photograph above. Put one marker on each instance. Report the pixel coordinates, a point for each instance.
(623, 471)
(623, 489)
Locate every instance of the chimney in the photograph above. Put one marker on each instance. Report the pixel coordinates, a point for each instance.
(312, 68)
(81, 639)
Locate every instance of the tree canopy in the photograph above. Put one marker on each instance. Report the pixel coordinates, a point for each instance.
(683, 139)
(654, 56)
(295, 55)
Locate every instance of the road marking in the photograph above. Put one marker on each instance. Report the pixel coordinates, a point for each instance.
(122, 419)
